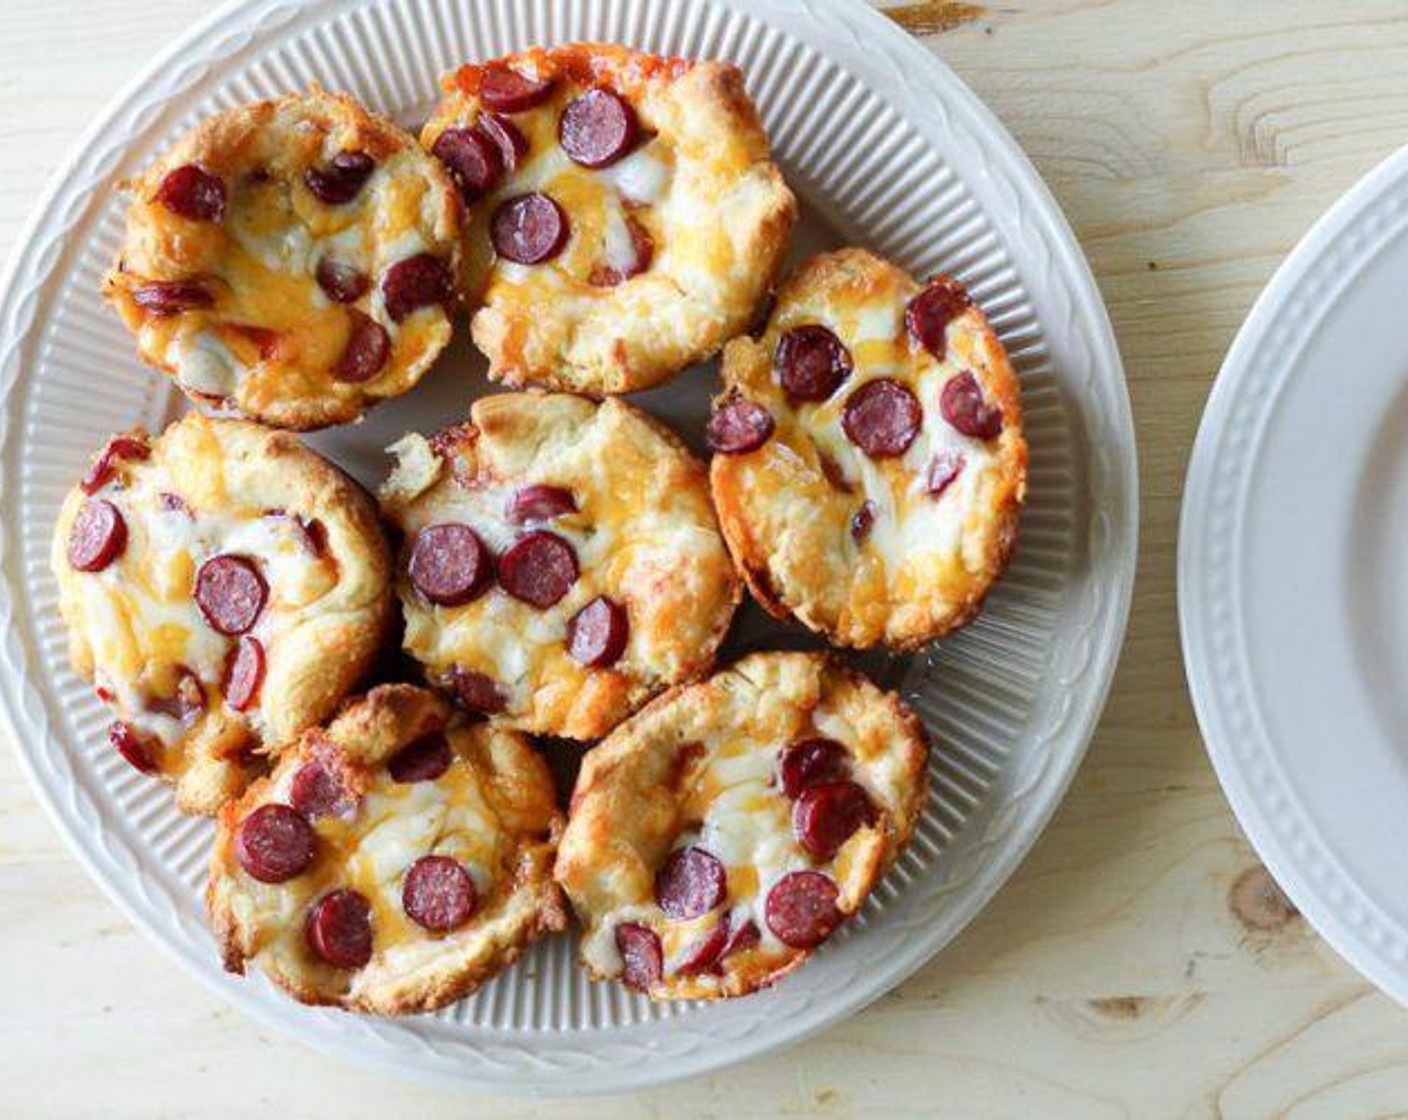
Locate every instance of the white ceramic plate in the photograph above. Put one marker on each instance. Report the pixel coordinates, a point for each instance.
(886, 148)
(1293, 575)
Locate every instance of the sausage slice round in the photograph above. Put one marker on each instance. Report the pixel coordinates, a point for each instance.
(882, 418)
(230, 593)
(97, 537)
(801, 909)
(275, 843)
(449, 564)
(539, 568)
(339, 929)
(438, 894)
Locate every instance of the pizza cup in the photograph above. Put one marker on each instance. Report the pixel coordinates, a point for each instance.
(561, 563)
(224, 587)
(626, 216)
(718, 837)
(869, 462)
(294, 261)
(392, 862)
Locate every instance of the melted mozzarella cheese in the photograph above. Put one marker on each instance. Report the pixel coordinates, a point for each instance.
(643, 177)
(204, 364)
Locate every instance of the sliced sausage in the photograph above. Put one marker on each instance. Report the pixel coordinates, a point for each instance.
(171, 297)
(118, 449)
(449, 564)
(801, 909)
(194, 193)
(475, 691)
(472, 158)
(340, 180)
(504, 135)
(882, 418)
(529, 229)
(597, 634)
(246, 674)
(705, 953)
(97, 537)
(368, 346)
(826, 815)
(540, 502)
(186, 703)
(438, 894)
(809, 762)
(963, 406)
(415, 282)
(341, 282)
(811, 362)
(317, 791)
(230, 593)
(642, 961)
(692, 882)
(275, 843)
(929, 313)
(125, 740)
(738, 426)
(339, 929)
(539, 568)
(422, 761)
(741, 938)
(597, 128)
(508, 91)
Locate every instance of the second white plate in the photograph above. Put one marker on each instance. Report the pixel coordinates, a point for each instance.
(1293, 576)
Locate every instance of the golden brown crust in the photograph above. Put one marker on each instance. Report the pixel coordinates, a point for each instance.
(699, 186)
(709, 752)
(206, 488)
(788, 509)
(269, 345)
(643, 533)
(498, 817)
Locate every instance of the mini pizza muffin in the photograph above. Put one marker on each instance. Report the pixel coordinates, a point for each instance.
(561, 562)
(292, 259)
(627, 218)
(392, 862)
(719, 836)
(869, 463)
(224, 587)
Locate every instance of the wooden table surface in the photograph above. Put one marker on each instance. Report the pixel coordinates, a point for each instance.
(1141, 962)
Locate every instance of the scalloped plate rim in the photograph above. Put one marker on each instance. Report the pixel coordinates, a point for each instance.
(1208, 694)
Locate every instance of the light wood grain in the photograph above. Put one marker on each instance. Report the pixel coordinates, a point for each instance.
(1140, 963)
